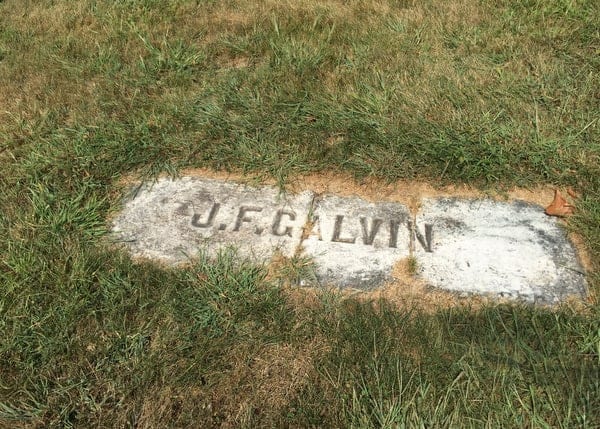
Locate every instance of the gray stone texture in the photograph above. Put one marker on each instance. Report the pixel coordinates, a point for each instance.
(504, 249)
(172, 220)
(355, 243)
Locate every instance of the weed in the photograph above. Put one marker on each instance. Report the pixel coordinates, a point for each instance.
(412, 265)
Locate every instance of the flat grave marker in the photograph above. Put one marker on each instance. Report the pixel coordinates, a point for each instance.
(509, 249)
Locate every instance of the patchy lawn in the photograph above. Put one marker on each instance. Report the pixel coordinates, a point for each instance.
(490, 94)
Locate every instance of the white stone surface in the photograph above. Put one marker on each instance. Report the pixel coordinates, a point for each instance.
(505, 249)
(171, 220)
(355, 243)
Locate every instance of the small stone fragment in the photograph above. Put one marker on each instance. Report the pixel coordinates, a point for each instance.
(505, 249)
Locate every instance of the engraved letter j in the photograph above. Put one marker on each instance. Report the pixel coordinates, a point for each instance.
(211, 217)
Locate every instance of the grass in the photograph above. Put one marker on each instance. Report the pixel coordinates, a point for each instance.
(493, 94)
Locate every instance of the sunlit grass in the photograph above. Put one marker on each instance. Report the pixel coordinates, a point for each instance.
(493, 94)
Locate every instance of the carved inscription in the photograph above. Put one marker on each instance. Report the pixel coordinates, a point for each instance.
(426, 241)
(368, 228)
(394, 225)
(371, 228)
(211, 217)
(245, 214)
(355, 242)
(277, 228)
(243, 217)
(368, 235)
(337, 231)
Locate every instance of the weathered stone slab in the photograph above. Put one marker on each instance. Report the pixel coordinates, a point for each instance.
(505, 249)
(508, 249)
(171, 220)
(355, 243)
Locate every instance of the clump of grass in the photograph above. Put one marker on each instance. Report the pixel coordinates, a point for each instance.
(412, 265)
(294, 271)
